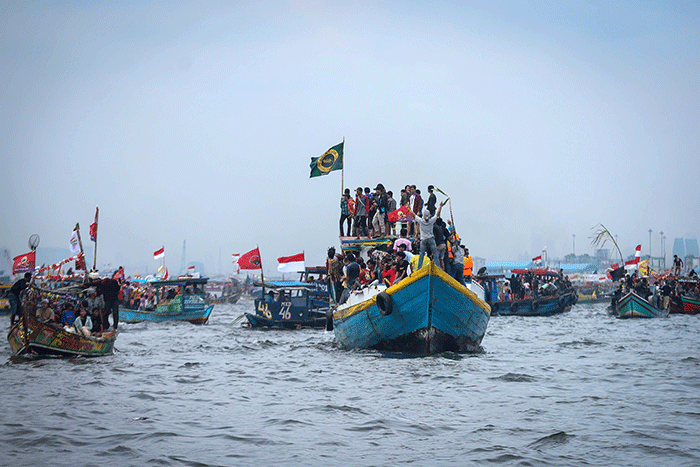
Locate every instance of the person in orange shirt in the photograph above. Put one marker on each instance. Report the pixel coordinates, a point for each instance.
(468, 265)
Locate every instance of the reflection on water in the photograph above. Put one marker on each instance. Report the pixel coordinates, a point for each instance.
(574, 389)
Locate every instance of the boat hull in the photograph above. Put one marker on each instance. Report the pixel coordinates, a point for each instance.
(691, 306)
(257, 321)
(634, 306)
(193, 316)
(431, 313)
(543, 306)
(46, 339)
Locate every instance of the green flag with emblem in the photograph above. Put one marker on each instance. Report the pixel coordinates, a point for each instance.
(329, 161)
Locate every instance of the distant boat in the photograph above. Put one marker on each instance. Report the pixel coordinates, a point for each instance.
(190, 304)
(52, 339)
(426, 313)
(633, 306)
(292, 305)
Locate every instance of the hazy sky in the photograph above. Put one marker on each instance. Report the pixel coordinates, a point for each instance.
(197, 121)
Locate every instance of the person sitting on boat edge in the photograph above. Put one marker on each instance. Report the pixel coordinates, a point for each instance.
(427, 240)
(45, 314)
(83, 323)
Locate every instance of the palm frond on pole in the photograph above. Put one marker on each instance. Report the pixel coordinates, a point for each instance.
(600, 237)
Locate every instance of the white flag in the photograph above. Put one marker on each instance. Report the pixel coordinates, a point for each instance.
(74, 243)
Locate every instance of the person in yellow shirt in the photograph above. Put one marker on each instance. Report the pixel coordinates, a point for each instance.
(468, 265)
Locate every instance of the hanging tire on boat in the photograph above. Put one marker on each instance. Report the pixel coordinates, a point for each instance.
(535, 305)
(329, 320)
(385, 303)
(495, 307)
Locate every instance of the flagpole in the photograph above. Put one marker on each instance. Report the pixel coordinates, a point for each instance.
(94, 259)
(342, 171)
(80, 242)
(262, 274)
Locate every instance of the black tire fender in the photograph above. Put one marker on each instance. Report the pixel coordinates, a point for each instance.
(495, 307)
(329, 320)
(385, 303)
(535, 305)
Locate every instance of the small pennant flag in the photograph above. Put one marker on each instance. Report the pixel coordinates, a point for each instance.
(159, 253)
(293, 263)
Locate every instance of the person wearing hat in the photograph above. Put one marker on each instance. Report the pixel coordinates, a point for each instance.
(45, 313)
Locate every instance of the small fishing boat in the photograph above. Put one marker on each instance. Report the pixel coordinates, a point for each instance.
(426, 313)
(544, 305)
(52, 339)
(189, 303)
(290, 305)
(632, 305)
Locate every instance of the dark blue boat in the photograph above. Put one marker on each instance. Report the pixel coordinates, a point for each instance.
(291, 305)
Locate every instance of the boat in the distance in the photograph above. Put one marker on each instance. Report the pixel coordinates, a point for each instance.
(188, 303)
(428, 312)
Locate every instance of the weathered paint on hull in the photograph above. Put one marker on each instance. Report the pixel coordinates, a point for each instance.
(634, 306)
(432, 313)
(193, 316)
(45, 339)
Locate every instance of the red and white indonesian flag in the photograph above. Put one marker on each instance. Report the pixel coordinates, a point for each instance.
(74, 242)
(537, 259)
(291, 263)
(24, 263)
(632, 264)
(235, 256)
(159, 253)
(190, 270)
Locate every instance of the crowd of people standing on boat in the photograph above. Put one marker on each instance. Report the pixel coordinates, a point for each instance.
(530, 285)
(660, 292)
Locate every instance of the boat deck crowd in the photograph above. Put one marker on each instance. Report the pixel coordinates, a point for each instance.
(529, 285)
(660, 292)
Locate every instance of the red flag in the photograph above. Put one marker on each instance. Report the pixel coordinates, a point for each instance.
(93, 226)
(537, 259)
(119, 274)
(24, 263)
(250, 260)
(615, 266)
(403, 214)
(632, 261)
(80, 263)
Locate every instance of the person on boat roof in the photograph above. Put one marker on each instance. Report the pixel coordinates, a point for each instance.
(427, 240)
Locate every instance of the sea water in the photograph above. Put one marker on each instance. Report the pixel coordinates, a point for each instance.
(580, 388)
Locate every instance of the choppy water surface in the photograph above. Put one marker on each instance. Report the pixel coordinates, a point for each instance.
(577, 389)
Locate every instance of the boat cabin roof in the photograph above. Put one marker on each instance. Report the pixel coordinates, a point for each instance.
(537, 272)
(286, 284)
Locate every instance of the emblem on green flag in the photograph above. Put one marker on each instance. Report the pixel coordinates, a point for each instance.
(329, 161)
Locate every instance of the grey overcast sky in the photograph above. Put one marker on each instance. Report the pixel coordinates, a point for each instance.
(197, 120)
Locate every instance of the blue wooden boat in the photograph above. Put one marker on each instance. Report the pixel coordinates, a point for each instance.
(545, 305)
(427, 313)
(190, 304)
(634, 306)
(291, 305)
